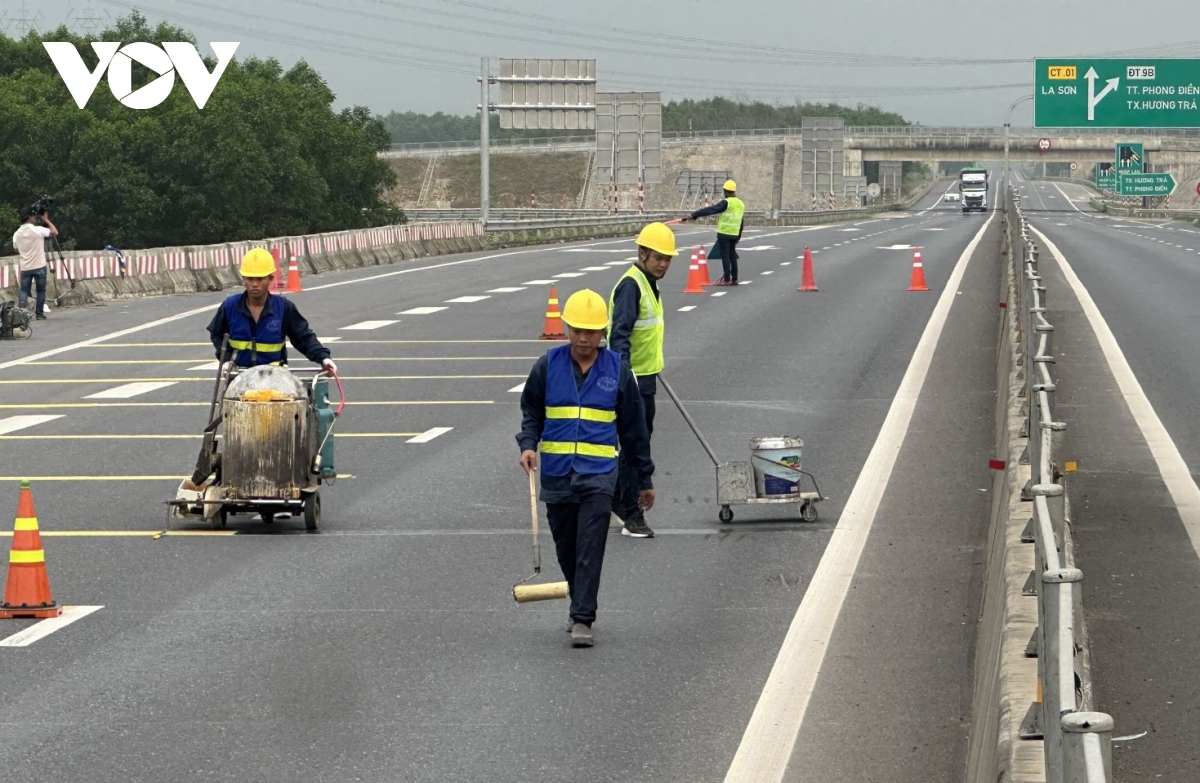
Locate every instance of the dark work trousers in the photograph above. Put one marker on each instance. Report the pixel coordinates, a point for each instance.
(727, 247)
(580, 533)
(625, 502)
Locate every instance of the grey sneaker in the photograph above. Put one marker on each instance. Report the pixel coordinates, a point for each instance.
(636, 527)
(581, 635)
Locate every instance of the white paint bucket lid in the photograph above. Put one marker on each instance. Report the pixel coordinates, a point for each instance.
(773, 443)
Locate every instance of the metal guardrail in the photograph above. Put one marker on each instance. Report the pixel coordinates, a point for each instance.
(1077, 742)
(851, 130)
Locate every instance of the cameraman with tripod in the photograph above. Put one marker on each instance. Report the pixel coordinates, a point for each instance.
(30, 243)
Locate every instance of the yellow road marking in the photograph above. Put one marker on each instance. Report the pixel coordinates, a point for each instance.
(126, 533)
(192, 437)
(95, 362)
(339, 342)
(119, 478)
(40, 405)
(202, 379)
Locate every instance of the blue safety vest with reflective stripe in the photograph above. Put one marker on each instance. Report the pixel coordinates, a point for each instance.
(580, 433)
(263, 345)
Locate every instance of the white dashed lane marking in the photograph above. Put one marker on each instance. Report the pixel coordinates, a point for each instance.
(422, 310)
(129, 390)
(14, 423)
(596, 268)
(687, 308)
(540, 282)
(429, 435)
(520, 387)
(368, 325)
(467, 299)
(570, 274)
(507, 290)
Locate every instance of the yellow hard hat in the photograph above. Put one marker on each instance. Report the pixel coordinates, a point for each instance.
(660, 237)
(585, 309)
(257, 263)
(730, 185)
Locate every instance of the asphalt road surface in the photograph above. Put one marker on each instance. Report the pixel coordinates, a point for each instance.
(1135, 504)
(388, 647)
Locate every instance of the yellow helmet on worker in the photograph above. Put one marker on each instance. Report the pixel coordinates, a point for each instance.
(585, 309)
(257, 263)
(730, 185)
(658, 237)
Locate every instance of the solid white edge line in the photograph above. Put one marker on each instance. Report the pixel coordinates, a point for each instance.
(429, 435)
(42, 629)
(1175, 474)
(774, 727)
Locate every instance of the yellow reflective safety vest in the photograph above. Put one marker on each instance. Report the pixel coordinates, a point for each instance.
(580, 432)
(730, 222)
(646, 340)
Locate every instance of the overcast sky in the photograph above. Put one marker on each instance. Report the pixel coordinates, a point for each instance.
(877, 52)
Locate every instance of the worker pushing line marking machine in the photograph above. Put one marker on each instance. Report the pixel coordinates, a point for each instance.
(753, 482)
(278, 447)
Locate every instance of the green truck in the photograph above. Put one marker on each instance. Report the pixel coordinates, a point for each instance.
(973, 185)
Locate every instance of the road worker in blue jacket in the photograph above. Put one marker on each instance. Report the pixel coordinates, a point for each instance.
(579, 404)
(258, 321)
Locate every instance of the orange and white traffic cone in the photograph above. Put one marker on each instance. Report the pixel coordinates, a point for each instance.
(277, 280)
(807, 281)
(703, 262)
(695, 285)
(293, 281)
(918, 273)
(553, 329)
(27, 593)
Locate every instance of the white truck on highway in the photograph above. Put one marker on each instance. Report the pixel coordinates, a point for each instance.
(973, 185)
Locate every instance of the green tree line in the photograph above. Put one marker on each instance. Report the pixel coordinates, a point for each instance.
(702, 115)
(266, 156)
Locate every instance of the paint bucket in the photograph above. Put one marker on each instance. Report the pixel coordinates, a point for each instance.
(770, 479)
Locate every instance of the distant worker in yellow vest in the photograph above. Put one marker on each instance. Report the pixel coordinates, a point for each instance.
(729, 230)
(579, 407)
(636, 334)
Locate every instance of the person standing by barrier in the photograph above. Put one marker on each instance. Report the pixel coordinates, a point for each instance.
(579, 403)
(30, 243)
(729, 230)
(636, 333)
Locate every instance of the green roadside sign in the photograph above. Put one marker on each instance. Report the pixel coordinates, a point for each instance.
(1106, 176)
(1130, 158)
(1123, 93)
(1145, 184)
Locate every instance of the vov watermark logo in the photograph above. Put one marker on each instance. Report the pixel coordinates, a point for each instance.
(117, 60)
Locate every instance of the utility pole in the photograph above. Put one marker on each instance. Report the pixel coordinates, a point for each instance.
(1004, 179)
(484, 161)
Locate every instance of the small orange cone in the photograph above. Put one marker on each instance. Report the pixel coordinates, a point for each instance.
(27, 593)
(277, 280)
(807, 281)
(695, 284)
(553, 329)
(918, 273)
(293, 281)
(703, 261)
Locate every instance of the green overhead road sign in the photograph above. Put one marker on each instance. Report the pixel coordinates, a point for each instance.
(1145, 184)
(1071, 93)
(1130, 158)
(1106, 176)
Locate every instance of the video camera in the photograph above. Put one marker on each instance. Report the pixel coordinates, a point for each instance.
(43, 204)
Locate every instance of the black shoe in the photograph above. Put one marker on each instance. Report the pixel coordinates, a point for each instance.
(39, 317)
(581, 635)
(636, 527)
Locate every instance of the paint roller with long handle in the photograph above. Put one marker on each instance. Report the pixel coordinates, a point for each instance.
(523, 593)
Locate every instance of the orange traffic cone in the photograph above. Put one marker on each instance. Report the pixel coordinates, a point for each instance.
(293, 281)
(277, 280)
(918, 273)
(553, 329)
(695, 284)
(27, 593)
(807, 281)
(703, 261)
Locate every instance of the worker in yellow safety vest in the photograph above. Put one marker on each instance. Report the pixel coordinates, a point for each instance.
(636, 334)
(579, 405)
(729, 230)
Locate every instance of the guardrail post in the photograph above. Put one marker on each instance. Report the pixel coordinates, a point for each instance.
(1059, 657)
(1087, 747)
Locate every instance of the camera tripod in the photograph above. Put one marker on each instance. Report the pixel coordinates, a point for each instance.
(51, 244)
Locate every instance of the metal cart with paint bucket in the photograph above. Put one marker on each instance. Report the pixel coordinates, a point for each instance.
(772, 475)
